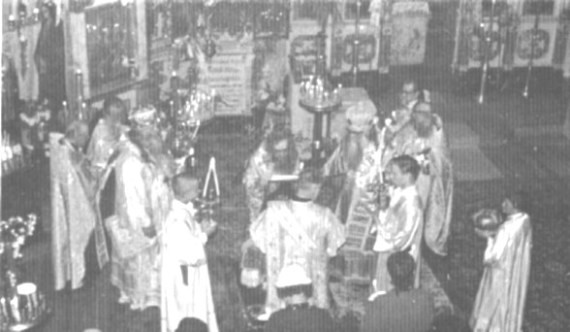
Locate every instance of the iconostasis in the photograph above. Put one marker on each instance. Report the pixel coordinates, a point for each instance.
(513, 33)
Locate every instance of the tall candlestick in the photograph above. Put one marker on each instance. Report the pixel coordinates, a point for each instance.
(79, 84)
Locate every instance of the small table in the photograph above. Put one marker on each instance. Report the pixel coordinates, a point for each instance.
(319, 111)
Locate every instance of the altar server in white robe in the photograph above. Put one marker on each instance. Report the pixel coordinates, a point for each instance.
(400, 223)
(186, 289)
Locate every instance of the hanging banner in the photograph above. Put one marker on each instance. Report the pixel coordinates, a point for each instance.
(229, 75)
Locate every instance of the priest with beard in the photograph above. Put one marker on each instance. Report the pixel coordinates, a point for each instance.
(142, 202)
(355, 158)
(277, 155)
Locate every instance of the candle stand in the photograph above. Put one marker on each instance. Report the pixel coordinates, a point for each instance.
(319, 98)
(22, 305)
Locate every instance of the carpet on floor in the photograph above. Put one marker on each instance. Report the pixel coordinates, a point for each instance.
(352, 298)
(460, 135)
(471, 164)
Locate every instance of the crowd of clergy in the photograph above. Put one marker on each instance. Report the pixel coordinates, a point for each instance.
(398, 169)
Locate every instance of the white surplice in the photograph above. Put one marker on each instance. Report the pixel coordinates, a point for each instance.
(500, 302)
(183, 248)
(399, 228)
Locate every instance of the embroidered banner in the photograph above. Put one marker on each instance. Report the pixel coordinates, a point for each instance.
(230, 76)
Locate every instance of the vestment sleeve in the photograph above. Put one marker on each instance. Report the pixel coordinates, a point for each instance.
(185, 244)
(401, 225)
(258, 231)
(254, 183)
(336, 235)
(137, 200)
(497, 247)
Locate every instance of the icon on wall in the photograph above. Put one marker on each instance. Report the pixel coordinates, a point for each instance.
(541, 43)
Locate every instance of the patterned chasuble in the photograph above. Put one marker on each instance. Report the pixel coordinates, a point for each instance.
(356, 204)
(143, 198)
(297, 232)
(74, 215)
(260, 166)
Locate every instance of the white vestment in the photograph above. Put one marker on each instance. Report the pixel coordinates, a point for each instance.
(184, 257)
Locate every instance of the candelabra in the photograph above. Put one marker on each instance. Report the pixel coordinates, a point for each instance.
(318, 97)
(22, 306)
(186, 120)
(317, 93)
(22, 19)
(209, 198)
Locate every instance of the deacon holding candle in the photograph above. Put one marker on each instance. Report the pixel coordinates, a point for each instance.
(400, 220)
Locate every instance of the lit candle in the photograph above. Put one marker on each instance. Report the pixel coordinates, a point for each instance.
(12, 21)
(213, 165)
(205, 189)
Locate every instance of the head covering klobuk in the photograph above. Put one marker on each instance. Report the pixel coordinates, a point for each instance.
(292, 275)
(360, 116)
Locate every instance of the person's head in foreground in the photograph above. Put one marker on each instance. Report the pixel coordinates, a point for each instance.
(48, 12)
(422, 106)
(401, 267)
(410, 92)
(424, 123)
(307, 187)
(185, 187)
(360, 117)
(514, 202)
(293, 285)
(153, 150)
(190, 324)
(403, 171)
(280, 145)
(114, 110)
(77, 133)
